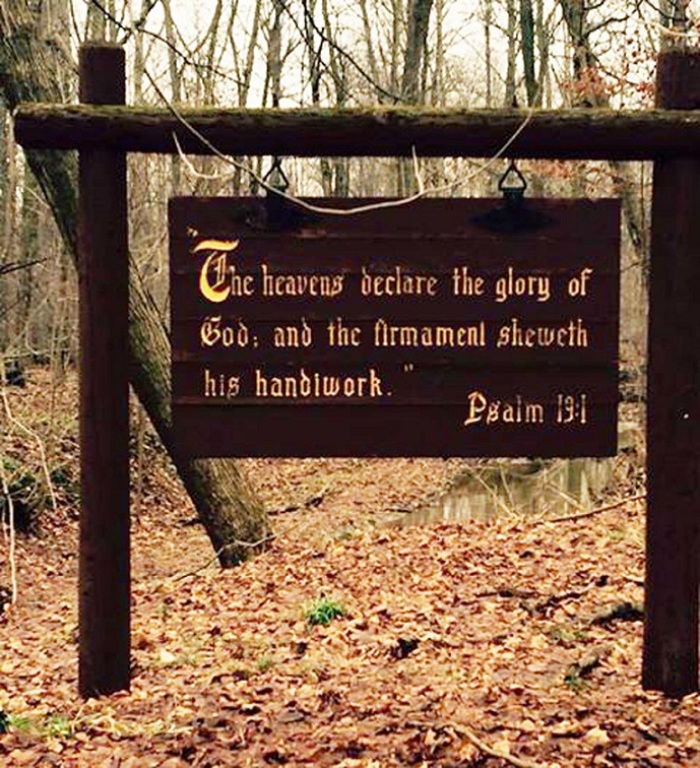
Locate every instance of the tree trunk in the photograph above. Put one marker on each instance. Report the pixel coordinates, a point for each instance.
(594, 94)
(244, 74)
(527, 33)
(674, 23)
(488, 21)
(231, 513)
(419, 16)
(411, 91)
(510, 97)
(175, 90)
(371, 55)
(340, 171)
(274, 53)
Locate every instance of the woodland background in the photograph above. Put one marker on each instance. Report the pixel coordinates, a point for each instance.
(436, 53)
(255, 53)
(524, 631)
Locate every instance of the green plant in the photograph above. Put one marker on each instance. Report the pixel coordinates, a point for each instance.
(323, 610)
(564, 635)
(188, 658)
(20, 723)
(52, 725)
(57, 726)
(25, 491)
(616, 534)
(62, 478)
(265, 662)
(574, 681)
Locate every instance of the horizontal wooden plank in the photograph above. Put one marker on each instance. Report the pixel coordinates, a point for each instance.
(377, 131)
(513, 341)
(383, 382)
(443, 307)
(379, 431)
(569, 218)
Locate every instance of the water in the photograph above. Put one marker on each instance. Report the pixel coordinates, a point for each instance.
(517, 487)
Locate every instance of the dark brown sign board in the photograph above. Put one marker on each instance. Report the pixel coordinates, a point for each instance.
(429, 329)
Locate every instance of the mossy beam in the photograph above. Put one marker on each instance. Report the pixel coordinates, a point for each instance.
(561, 134)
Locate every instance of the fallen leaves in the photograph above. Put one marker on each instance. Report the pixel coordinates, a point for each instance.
(596, 737)
(455, 647)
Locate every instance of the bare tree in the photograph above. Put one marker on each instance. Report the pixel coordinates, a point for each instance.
(673, 16)
(227, 505)
(411, 90)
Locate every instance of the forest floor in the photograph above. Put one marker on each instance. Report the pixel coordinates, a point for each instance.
(457, 642)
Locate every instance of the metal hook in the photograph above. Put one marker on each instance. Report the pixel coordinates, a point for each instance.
(513, 193)
(280, 210)
(514, 216)
(275, 177)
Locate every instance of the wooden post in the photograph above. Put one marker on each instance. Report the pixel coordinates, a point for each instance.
(673, 408)
(104, 389)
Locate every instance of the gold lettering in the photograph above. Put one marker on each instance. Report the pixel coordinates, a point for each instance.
(223, 246)
(221, 385)
(397, 283)
(215, 291)
(341, 336)
(295, 336)
(510, 285)
(428, 336)
(323, 286)
(218, 280)
(514, 334)
(213, 333)
(477, 406)
(315, 385)
(464, 284)
(516, 411)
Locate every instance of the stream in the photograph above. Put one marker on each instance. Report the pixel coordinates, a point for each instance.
(520, 487)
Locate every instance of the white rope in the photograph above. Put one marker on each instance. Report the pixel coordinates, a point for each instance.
(422, 190)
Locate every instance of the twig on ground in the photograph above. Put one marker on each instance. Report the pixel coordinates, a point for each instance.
(464, 732)
(597, 511)
(237, 543)
(623, 611)
(508, 592)
(312, 501)
(214, 557)
(542, 607)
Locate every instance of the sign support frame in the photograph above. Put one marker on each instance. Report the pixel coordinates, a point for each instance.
(670, 661)
(670, 657)
(103, 257)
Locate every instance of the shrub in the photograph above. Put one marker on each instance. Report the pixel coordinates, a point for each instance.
(26, 492)
(323, 610)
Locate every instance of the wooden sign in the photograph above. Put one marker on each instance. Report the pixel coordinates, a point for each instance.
(439, 328)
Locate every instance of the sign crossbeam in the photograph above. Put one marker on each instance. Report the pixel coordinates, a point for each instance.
(388, 131)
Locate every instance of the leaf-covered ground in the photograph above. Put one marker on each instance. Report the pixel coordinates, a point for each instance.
(491, 633)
